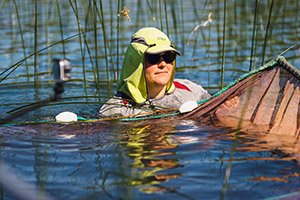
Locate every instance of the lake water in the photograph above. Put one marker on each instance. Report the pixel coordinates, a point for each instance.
(151, 159)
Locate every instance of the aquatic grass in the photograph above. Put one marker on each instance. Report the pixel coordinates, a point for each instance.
(266, 33)
(256, 11)
(35, 56)
(223, 46)
(120, 5)
(209, 56)
(48, 19)
(228, 169)
(22, 38)
(160, 16)
(95, 34)
(173, 22)
(9, 70)
(166, 17)
(61, 28)
(139, 14)
(96, 12)
(182, 28)
(152, 13)
(100, 12)
(79, 28)
(96, 47)
(166, 26)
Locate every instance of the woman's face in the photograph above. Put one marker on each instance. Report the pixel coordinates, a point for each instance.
(159, 68)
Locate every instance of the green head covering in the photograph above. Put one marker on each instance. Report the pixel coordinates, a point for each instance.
(132, 80)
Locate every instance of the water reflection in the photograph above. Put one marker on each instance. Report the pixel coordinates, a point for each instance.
(153, 154)
(110, 160)
(182, 160)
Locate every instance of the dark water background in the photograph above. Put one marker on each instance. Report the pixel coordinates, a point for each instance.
(139, 160)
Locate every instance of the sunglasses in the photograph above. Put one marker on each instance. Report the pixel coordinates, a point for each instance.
(168, 57)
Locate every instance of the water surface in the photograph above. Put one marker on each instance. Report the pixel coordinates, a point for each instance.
(219, 41)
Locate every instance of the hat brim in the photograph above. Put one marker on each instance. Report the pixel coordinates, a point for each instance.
(159, 49)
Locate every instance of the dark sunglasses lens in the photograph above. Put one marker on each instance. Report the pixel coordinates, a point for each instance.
(156, 58)
(169, 57)
(153, 58)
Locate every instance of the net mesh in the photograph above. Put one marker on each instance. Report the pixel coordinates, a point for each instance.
(265, 99)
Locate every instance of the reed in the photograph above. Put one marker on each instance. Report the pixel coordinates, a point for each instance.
(9, 70)
(61, 28)
(79, 28)
(253, 34)
(209, 57)
(105, 45)
(182, 28)
(92, 13)
(166, 17)
(22, 38)
(160, 16)
(120, 5)
(95, 33)
(139, 14)
(152, 13)
(267, 33)
(223, 46)
(100, 52)
(49, 10)
(35, 57)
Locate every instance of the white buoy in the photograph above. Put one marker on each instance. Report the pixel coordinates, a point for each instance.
(66, 117)
(188, 106)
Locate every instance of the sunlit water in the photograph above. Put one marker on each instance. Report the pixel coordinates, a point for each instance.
(147, 159)
(178, 159)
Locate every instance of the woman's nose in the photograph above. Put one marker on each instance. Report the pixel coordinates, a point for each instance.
(162, 64)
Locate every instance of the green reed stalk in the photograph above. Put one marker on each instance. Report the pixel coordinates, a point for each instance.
(160, 16)
(97, 79)
(296, 16)
(48, 12)
(266, 34)
(196, 43)
(12, 68)
(75, 10)
(120, 6)
(22, 39)
(194, 7)
(174, 13)
(105, 44)
(118, 40)
(253, 32)
(153, 11)
(113, 13)
(35, 47)
(100, 15)
(209, 55)
(111, 16)
(223, 46)
(139, 14)
(166, 17)
(150, 8)
(182, 29)
(229, 168)
(15, 66)
(61, 28)
(94, 29)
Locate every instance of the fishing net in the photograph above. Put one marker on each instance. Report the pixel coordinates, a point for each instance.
(266, 99)
(263, 103)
